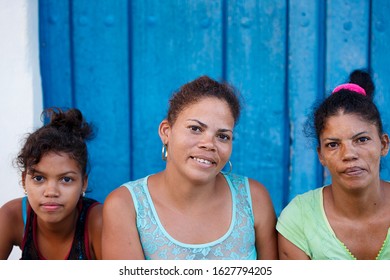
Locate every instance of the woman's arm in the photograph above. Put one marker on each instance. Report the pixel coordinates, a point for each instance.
(120, 239)
(265, 222)
(288, 251)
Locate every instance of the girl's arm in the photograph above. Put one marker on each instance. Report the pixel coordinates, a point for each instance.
(11, 227)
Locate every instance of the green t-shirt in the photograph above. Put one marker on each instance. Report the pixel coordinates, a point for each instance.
(303, 222)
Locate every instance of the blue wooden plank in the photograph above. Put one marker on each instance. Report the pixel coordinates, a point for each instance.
(380, 61)
(101, 80)
(348, 30)
(305, 87)
(173, 43)
(347, 48)
(128, 57)
(55, 53)
(256, 56)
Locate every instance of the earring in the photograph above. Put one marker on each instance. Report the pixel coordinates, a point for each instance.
(83, 194)
(230, 166)
(25, 192)
(164, 152)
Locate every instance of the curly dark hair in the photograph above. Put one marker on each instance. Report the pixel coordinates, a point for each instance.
(347, 102)
(66, 131)
(200, 88)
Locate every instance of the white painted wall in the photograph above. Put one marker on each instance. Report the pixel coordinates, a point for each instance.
(20, 89)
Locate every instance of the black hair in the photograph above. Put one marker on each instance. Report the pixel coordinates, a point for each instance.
(347, 101)
(66, 131)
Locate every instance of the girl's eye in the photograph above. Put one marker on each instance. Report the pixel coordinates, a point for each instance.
(67, 179)
(38, 178)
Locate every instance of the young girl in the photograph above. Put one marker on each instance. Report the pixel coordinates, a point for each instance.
(191, 210)
(54, 220)
(350, 218)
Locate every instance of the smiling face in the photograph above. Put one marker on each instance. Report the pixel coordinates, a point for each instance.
(54, 186)
(200, 141)
(351, 149)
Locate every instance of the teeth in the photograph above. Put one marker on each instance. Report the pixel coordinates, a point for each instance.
(202, 160)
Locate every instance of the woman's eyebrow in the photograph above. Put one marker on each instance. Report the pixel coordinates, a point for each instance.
(205, 126)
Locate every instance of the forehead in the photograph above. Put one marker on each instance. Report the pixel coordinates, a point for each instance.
(342, 124)
(208, 108)
(56, 160)
(206, 103)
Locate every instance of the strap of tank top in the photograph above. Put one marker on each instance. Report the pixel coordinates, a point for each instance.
(24, 210)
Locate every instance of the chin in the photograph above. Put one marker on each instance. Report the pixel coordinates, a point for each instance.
(357, 185)
(202, 177)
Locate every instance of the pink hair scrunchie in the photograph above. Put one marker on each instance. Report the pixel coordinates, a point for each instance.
(352, 87)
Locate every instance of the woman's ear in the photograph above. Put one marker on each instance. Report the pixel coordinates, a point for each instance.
(164, 131)
(85, 184)
(385, 144)
(320, 157)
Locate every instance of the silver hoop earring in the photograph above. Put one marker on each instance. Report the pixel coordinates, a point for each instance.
(83, 194)
(164, 152)
(230, 166)
(25, 192)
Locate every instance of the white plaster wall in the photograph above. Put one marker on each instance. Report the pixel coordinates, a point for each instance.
(20, 89)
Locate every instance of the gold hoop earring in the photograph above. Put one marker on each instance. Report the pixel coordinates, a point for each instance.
(164, 152)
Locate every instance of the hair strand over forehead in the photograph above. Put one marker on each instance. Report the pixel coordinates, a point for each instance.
(198, 89)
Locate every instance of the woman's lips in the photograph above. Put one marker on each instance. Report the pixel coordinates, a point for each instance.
(354, 171)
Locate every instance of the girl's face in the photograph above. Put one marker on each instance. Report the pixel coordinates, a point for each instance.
(200, 141)
(351, 149)
(54, 186)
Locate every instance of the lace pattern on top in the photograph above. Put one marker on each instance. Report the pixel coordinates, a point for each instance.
(237, 243)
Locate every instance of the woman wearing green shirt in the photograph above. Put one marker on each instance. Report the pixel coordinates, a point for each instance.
(350, 218)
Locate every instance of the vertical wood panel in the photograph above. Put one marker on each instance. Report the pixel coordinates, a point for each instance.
(256, 55)
(305, 87)
(173, 43)
(55, 53)
(348, 30)
(119, 62)
(380, 61)
(101, 87)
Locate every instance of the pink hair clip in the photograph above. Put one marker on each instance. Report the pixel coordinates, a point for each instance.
(352, 87)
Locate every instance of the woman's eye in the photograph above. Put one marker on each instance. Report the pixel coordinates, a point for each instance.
(332, 145)
(195, 128)
(362, 139)
(224, 137)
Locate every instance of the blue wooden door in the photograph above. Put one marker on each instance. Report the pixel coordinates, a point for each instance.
(120, 61)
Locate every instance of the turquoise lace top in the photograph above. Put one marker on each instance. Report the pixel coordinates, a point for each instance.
(237, 243)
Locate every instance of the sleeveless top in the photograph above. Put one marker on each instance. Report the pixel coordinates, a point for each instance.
(80, 246)
(304, 223)
(237, 243)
